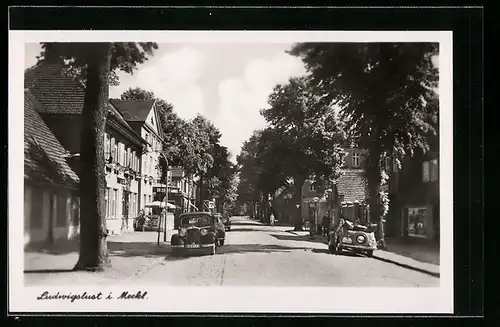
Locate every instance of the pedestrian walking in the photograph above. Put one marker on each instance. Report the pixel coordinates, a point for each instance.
(271, 219)
(326, 224)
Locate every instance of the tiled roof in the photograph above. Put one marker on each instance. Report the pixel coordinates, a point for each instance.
(58, 93)
(133, 110)
(352, 185)
(44, 159)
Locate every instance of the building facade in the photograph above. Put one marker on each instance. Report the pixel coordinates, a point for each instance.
(181, 190)
(51, 198)
(143, 117)
(132, 140)
(414, 198)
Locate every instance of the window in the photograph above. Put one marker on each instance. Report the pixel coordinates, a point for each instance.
(394, 164)
(147, 137)
(107, 146)
(144, 200)
(433, 170)
(312, 187)
(425, 171)
(113, 202)
(152, 121)
(76, 210)
(114, 149)
(69, 209)
(355, 159)
(416, 222)
(107, 199)
(124, 156)
(36, 219)
(61, 211)
(149, 197)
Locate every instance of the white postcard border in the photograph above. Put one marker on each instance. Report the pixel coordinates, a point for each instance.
(232, 299)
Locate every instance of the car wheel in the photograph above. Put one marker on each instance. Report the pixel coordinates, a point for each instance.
(369, 253)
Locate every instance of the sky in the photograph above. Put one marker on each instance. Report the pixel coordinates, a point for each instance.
(227, 83)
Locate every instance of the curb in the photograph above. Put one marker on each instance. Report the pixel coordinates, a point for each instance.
(425, 271)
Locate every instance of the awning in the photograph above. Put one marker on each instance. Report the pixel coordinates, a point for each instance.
(158, 204)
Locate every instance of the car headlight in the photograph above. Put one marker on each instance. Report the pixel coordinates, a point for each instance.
(360, 239)
(203, 232)
(182, 232)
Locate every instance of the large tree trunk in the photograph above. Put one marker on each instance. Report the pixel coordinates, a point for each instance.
(297, 199)
(374, 180)
(93, 231)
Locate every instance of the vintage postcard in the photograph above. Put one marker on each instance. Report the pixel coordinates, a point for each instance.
(230, 172)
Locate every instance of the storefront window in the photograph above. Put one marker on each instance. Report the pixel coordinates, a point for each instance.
(416, 222)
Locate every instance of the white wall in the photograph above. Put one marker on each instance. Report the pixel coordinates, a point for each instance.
(40, 235)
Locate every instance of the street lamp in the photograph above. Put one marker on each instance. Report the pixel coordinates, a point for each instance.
(312, 229)
(287, 197)
(165, 199)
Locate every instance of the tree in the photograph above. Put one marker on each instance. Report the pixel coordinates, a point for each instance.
(304, 138)
(385, 92)
(125, 56)
(249, 169)
(95, 61)
(206, 137)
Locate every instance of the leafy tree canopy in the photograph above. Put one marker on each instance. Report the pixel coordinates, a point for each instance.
(125, 56)
(386, 91)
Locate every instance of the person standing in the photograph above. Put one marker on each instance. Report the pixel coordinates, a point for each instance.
(271, 219)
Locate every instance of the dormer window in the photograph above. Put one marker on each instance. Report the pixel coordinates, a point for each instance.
(312, 187)
(152, 121)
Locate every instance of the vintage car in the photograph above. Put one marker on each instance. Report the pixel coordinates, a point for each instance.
(198, 232)
(151, 219)
(354, 237)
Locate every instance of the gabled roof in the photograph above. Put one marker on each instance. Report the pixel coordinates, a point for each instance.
(58, 93)
(44, 156)
(352, 185)
(61, 94)
(133, 110)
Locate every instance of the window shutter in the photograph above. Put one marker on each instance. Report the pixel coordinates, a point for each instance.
(425, 171)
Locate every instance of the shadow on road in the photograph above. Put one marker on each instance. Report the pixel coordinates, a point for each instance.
(265, 248)
(237, 223)
(137, 249)
(304, 238)
(48, 271)
(245, 230)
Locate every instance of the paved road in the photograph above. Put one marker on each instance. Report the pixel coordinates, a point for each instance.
(254, 255)
(257, 255)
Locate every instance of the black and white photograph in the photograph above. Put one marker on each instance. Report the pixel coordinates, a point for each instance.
(210, 171)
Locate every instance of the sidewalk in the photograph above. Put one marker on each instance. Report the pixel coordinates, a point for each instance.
(417, 255)
(130, 254)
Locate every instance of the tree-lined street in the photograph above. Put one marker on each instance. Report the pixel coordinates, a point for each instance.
(255, 255)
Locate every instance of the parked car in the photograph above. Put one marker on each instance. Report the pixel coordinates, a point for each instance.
(150, 221)
(198, 232)
(353, 237)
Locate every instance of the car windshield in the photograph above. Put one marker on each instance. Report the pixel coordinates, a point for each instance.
(197, 221)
